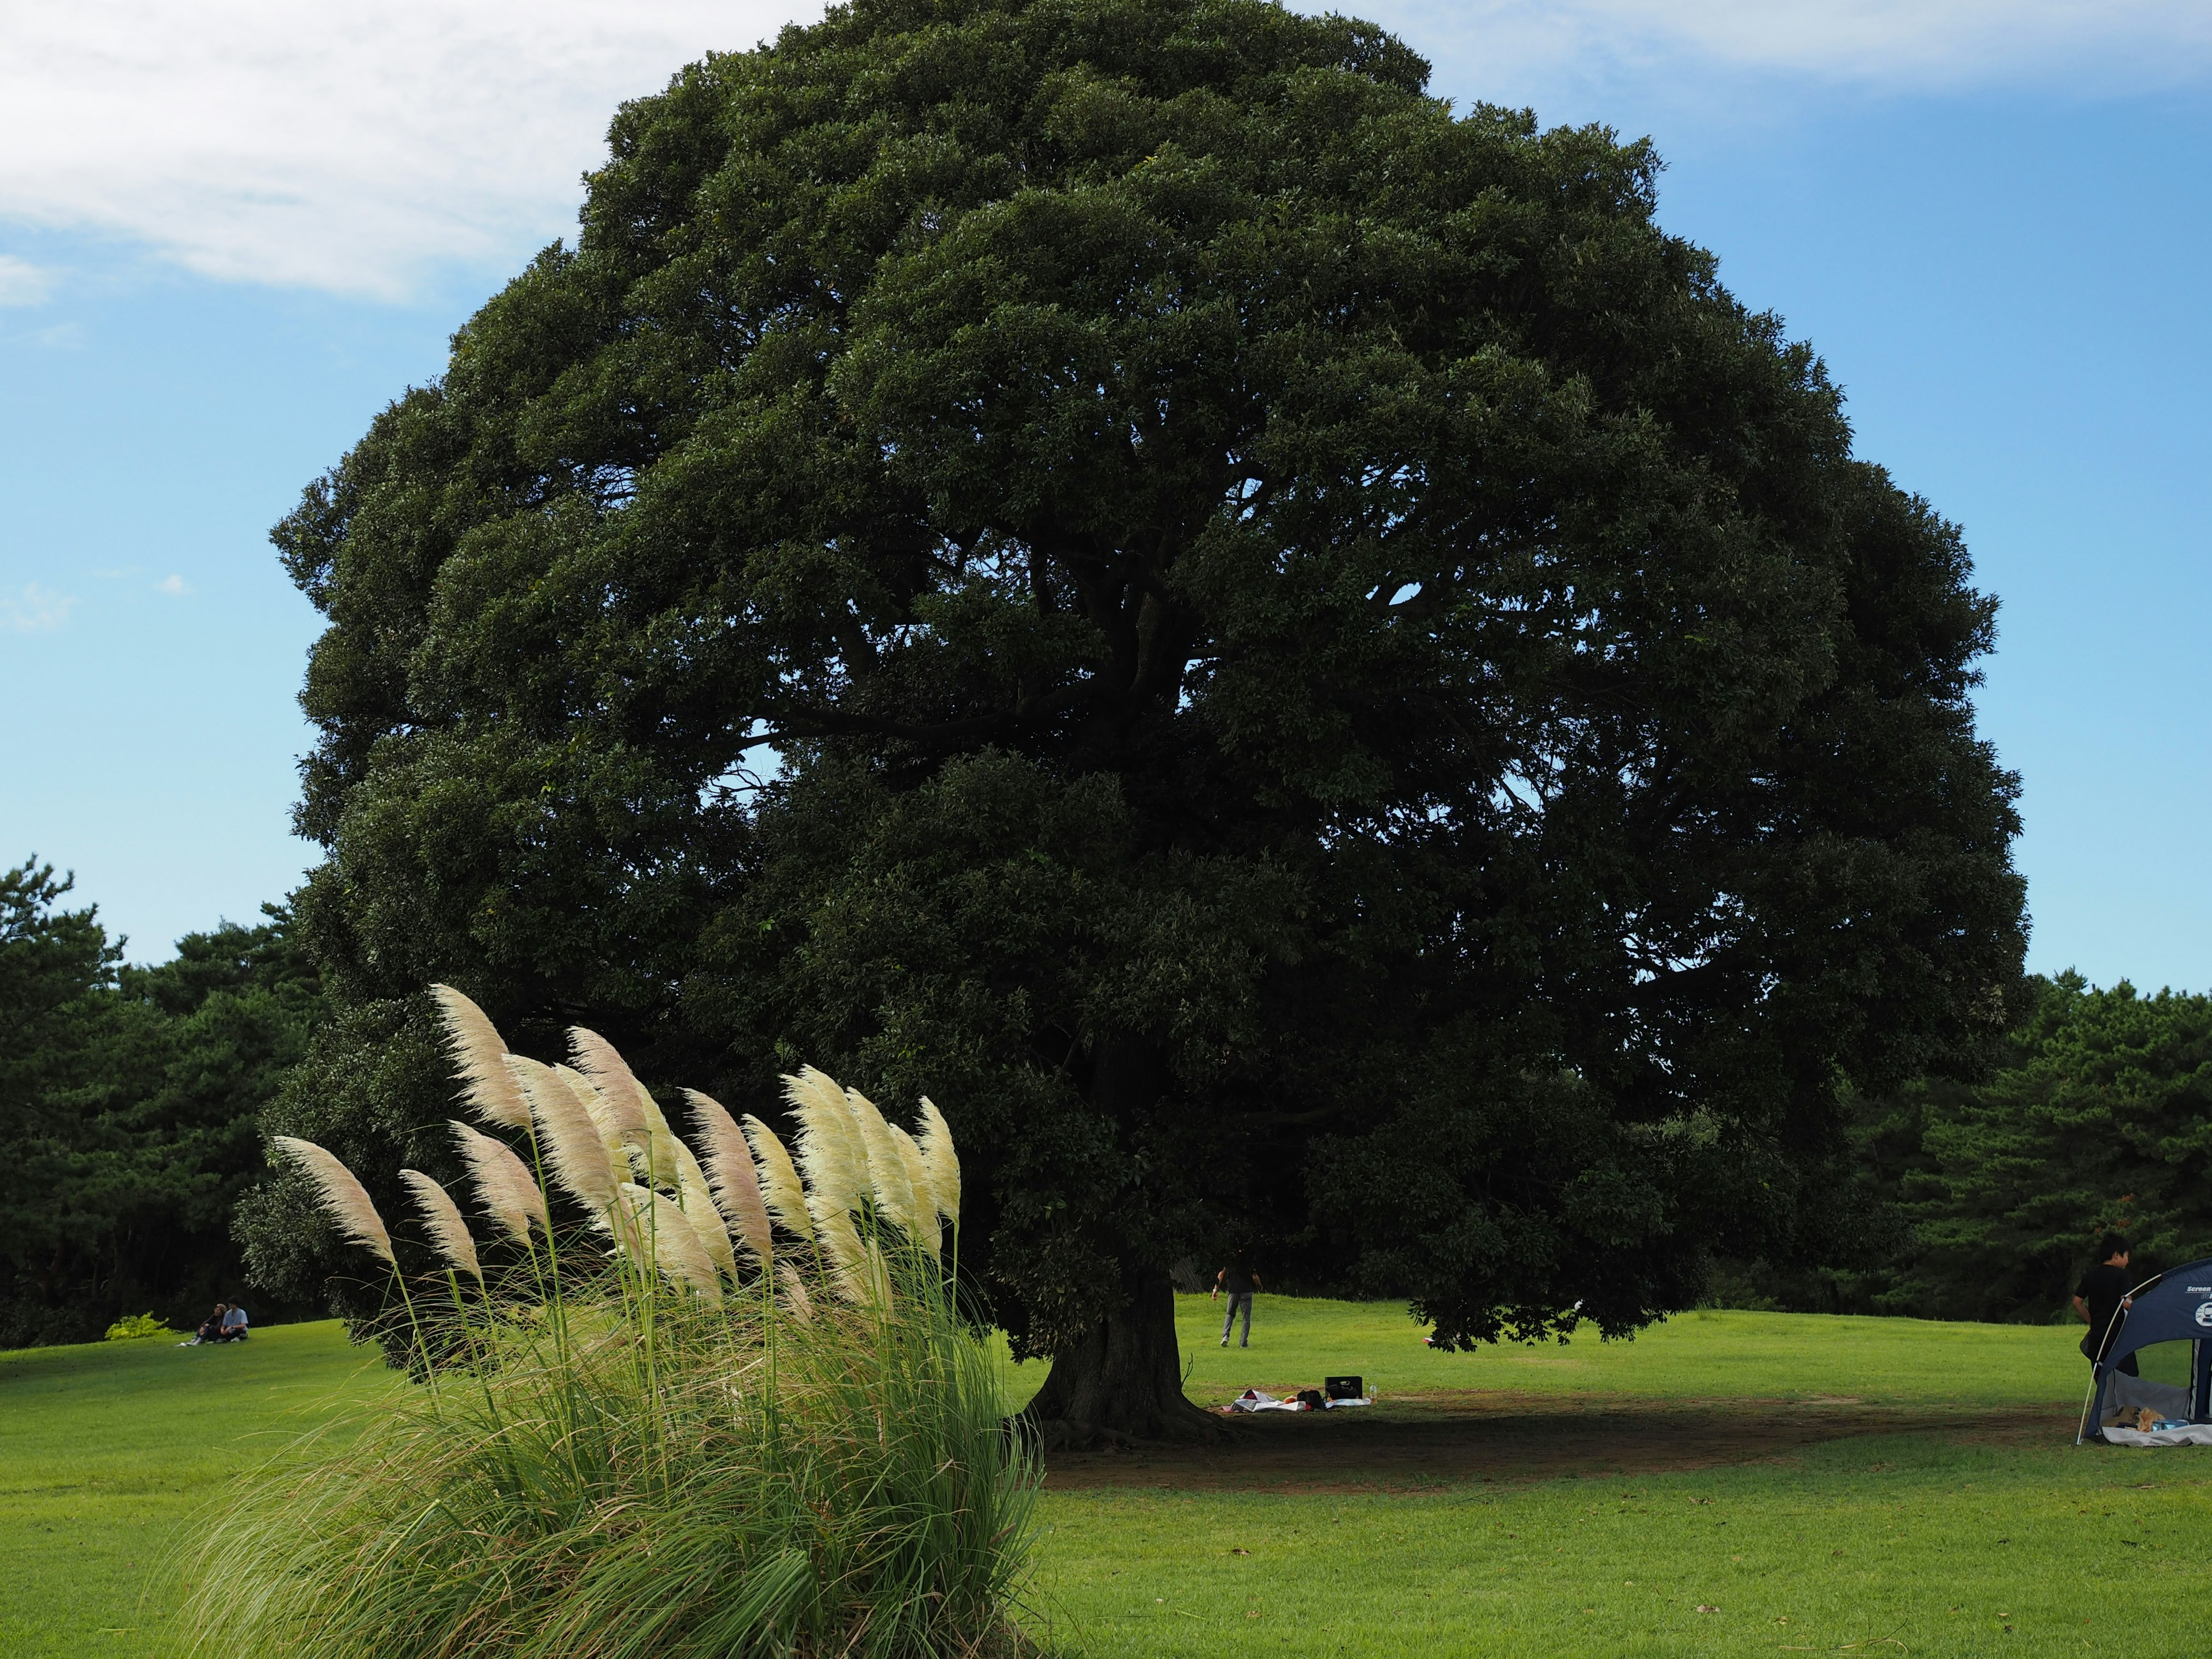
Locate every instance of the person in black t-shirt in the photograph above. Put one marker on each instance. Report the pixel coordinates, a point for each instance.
(1239, 1281)
(2104, 1298)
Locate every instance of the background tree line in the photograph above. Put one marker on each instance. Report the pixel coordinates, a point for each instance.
(1984, 1201)
(130, 1102)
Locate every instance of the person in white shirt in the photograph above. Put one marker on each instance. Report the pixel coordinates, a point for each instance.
(234, 1324)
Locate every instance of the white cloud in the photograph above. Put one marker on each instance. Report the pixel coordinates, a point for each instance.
(335, 144)
(350, 146)
(36, 609)
(173, 586)
(22, 283)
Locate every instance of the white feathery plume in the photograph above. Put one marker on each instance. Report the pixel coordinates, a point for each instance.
(697, 1204)
(504, 1185)
(867, 1282)
(443, 1216)
(835, 1162)
(344, 1199)
(841, 1242)
(924, 1227)
(781, 1189)
(794, 1289)
(567, 1136)
(942, 1162)
(655, 1230)
(730, 1173)
(479, 1055)
(598, 1060)
(887, 1172)
(606, 1117)
(832, 1152)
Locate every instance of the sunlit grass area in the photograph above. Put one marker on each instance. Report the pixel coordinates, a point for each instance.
(106, 1451)
(1583, 1500)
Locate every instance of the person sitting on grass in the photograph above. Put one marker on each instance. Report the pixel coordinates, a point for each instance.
(2104, 1298)
(1239, 1281)
(210, 1328)
(233, 1324)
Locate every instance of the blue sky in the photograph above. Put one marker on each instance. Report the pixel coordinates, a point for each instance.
(223, 247)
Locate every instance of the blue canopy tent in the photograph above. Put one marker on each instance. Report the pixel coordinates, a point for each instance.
(2170, 1319)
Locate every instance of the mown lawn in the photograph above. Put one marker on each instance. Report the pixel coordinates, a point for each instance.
(1819, 1485)
(106, 1451)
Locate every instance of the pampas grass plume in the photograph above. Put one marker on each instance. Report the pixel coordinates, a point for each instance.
(599, 1060)
(569, 1137)
(924, 1226)
(443, 1216)
(830, 1150)
(698, 1205)
(504, 1185)
(605, 1115)
(781, 1190)
(887, 1171)
(730, 1174)
(480, 1057)
(794, 1290)
(834, 1161)
(345, 1200)
(942, 1162)
(657, 1232)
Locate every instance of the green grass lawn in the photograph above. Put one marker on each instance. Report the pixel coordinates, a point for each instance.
(106, 1451)
(1820, 1484)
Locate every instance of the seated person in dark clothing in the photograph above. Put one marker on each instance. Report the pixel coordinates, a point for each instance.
(2104, 1298)
(210, 1328)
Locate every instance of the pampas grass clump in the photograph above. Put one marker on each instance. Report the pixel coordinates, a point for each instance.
(687, 1424)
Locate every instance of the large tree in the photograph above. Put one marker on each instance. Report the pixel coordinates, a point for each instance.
(1287, 654)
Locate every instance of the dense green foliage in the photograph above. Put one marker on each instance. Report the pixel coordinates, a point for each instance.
(128, 1106)
(1290, 654)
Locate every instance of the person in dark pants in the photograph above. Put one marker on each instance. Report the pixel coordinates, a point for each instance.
(2104, 1298)
(1238, 1281)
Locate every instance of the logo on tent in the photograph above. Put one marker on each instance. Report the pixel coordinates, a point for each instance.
(2204, 1315)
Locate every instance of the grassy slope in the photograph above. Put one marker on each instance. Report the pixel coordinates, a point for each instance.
(105, 1450)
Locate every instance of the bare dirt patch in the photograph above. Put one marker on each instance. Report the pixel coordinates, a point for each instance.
(1413, 1442)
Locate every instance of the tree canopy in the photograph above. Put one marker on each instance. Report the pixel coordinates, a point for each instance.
(1286, 653)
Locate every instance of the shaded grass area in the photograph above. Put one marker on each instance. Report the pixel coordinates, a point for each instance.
(107, 1450)
(1708, 1353)
(1859, 1478)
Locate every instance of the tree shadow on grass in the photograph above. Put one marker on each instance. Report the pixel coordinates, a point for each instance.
(1426, 1440)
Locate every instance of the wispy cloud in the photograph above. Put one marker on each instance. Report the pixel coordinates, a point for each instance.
(336, 144)
(174, 585)
(35, 609)
(22, 283)
(352, 146)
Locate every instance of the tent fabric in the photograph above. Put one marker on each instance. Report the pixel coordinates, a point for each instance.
(2175, 1306)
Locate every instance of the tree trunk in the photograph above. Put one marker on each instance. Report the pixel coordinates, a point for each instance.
(1122, 1382)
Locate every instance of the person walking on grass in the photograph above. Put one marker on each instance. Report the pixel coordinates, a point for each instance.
(2102, 1299)
(1238, 1281)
